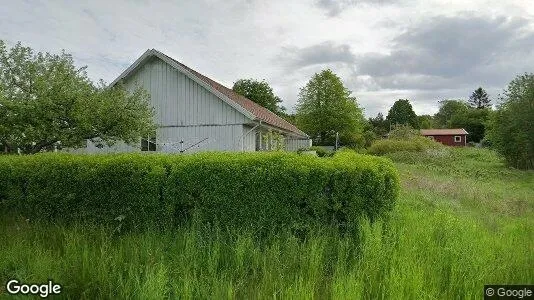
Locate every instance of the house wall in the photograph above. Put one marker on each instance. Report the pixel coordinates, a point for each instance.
(449, 140)
(178, 100)
(202, 138)
(294, 144)
(185, 110)
(249, 138)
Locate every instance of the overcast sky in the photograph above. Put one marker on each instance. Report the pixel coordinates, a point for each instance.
(383, 50)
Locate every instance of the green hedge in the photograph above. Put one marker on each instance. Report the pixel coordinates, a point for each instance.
(258, 190)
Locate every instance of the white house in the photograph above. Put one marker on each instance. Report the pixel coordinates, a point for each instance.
(194, 113)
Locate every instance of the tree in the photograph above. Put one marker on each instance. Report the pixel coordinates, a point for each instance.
(380, 126)
(448, 109)
(473, 121)
(479, 99)
(457, 114)
(401, 113)
(425, 121)
(46, 101)
(325, 107)
(511, 127)
(261, 93)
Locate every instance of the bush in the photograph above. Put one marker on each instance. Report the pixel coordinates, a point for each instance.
(257, 190)
(322, 152)
(415, 144)
(511, 128)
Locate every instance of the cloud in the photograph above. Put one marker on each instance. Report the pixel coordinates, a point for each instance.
(383, 50)
(333, 8)
(319, 54)
(449, 51)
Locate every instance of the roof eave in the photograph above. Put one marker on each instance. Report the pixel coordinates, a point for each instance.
(287, 131)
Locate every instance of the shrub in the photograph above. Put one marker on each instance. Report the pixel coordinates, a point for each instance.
(258, 190)
(511, 127)
(415, 144)
(322, 152)
(70, 188)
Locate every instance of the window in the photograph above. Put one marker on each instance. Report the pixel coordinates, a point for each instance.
(148, 143)
(457, 138)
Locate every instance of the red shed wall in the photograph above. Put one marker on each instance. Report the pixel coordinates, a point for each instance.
(449, 140)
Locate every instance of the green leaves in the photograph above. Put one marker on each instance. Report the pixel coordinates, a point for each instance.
(325, 107)
(262, 191)
(480, 99)
(511, 127)
(401, 113)
(45, 100)
(261, 93)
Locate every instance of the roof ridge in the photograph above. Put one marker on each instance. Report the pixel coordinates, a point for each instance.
(260, 112)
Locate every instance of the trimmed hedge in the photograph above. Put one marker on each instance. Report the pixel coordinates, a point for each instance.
(258, 190)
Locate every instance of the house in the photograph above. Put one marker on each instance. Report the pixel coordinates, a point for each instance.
(449, 137)
(195, 113)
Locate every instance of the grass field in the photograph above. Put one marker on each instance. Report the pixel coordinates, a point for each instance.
(462, 220)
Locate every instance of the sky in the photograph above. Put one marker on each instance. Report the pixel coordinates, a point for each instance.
(383, 50)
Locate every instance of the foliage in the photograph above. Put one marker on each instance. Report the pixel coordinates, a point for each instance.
(403, 132)
(425, 122)
(479, 99)
(401, 113)
(261, 93)
(473, 121)
(273, 141)
(259, 190)
(46, 101)
(443, 240)
(325, 107)
(380, 126)
(291, 118)
(403, 138)
(322, 152)
(457, 114)
(511, 128)
(468, 162)
(447, 110)
(419, 144)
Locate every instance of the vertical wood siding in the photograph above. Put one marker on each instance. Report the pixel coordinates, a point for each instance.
(202, 138)
(185, 110)
(178, 100)
(296, 144)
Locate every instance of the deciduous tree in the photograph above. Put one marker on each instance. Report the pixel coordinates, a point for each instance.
(401, 113)
(511, 127)
(261, 93)
(45, 101)
(448, 109)
(473, 121)
(325, 107)
(380, 125)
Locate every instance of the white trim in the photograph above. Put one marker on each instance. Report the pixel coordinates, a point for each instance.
(459, 138)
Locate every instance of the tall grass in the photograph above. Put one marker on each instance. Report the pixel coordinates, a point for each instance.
(421, 252)
(437, 244)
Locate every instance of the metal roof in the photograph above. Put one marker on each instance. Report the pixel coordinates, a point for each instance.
(452, 131)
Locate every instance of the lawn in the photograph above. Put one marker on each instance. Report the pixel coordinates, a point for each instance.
(462, 220)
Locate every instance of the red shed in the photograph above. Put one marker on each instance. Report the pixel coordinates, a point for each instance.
(449, 137)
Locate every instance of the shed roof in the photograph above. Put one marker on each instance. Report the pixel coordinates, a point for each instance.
(452, 131)
(242, 104)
